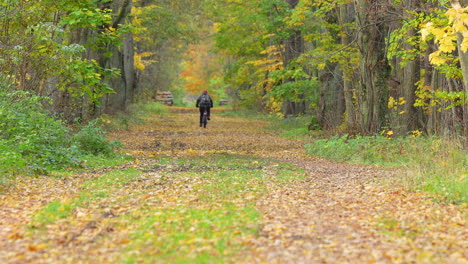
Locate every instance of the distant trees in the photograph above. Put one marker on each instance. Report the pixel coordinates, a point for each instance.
(359, 66)
(363, 66)
(71, 51)
(93, 56)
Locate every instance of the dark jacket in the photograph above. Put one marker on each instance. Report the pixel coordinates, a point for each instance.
(204, 105)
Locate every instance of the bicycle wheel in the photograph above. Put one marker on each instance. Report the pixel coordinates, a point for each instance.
(205, 119)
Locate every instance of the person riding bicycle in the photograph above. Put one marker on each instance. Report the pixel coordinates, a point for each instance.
(204, 102)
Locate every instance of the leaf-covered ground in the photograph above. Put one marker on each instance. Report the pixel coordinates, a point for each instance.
(231, 193)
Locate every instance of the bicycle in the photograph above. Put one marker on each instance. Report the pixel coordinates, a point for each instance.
(204, 118)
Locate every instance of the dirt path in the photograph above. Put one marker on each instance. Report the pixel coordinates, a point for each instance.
(338, 214)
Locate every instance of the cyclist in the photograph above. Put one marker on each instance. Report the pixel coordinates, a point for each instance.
(204, 102)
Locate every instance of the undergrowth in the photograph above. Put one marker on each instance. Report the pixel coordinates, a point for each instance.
(248, 114)
(431, 164)
(296, 127)
(32, 141)
(136, 114)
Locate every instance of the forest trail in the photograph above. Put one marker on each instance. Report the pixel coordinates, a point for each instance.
(330, 213)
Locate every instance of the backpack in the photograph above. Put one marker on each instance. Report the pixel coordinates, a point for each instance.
(205, 99)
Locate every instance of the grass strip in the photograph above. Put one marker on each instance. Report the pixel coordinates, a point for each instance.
(96, 188)
(208, 212)
(432, 164)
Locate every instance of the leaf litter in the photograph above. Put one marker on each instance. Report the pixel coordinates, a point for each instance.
(327, 212)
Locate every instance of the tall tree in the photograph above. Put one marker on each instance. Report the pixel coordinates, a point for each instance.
(374, 69)
(293, 48)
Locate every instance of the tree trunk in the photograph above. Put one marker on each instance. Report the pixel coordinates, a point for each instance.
(464, 67)
(123, 59)
(374, 69)
(294, 47)
(331, 103)
(346, 15)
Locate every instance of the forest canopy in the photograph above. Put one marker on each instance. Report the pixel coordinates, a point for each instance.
(355, 66)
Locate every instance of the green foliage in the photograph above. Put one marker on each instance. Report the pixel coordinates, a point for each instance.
(89, 76)
(38, 49)
(31, 140)
(245, 32)
(405, 42)
(150, 108)
(87, 18)
(91, 140)
(254, 34)
(165, 29)
(295, 127)
(136, 114)
(434, 164)
(250, 114)
(296, 91)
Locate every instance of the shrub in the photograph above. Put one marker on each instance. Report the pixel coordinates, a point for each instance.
(30, 139)
(91, 140)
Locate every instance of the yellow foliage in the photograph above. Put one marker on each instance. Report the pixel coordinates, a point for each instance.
(139, 63)
(393, 103)
(447, 42)
(446, 36)
(436, 58)
(387, 133)
(416, 133)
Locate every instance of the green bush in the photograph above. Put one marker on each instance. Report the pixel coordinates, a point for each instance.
(31, 141)
(91, 140)
(10, 159)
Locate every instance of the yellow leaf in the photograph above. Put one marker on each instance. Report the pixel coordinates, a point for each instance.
(424, 33)
(124, 241)
(459, 26)
(436, 59)
(34, 248)
(391, 102)
(447, 43)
